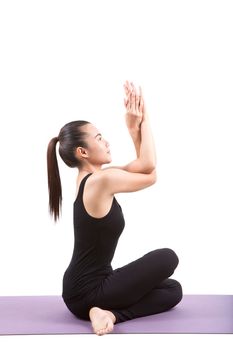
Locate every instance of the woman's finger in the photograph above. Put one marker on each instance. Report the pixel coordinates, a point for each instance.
(126, 103)
(141, 105)
(142, 100)
(140, 91)
(129, 102)
(137, 102)
(127, 91)
(133, 88)
(133, 101)
(128, 87)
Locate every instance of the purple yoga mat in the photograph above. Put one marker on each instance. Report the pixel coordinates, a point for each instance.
(49, 315)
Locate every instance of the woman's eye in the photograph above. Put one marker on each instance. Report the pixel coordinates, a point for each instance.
(100, 138)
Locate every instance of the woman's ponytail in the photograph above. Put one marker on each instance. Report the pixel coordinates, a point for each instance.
(70, 137)
(54, 181)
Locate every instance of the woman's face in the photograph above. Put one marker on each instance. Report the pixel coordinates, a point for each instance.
(98, 151)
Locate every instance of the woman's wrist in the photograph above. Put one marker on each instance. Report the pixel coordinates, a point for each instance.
(136, 137)
(135, 133)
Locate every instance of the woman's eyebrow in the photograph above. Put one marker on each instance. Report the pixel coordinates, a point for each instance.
(98, 135)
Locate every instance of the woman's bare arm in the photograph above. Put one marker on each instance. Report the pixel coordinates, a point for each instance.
(113, 181)
(137, 120)
(136, 138)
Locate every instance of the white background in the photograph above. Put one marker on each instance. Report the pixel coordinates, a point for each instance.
(67, 60)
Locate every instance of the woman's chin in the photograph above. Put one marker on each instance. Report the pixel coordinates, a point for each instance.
(109, 160)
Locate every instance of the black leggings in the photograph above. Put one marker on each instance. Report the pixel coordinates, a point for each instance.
(138, 289)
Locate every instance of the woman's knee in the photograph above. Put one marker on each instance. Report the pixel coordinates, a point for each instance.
(162, 261)
(177, 292)
(171, 257)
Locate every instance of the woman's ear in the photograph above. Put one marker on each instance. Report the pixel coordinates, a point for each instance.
(81, 153)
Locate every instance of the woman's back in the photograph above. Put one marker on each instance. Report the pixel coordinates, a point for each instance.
(95, 241)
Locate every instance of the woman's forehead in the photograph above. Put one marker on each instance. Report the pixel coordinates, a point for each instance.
(92, 129)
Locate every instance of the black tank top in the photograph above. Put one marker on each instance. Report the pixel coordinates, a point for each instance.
(95, 241)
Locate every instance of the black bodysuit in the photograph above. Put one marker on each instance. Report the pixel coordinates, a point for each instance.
(138, 289)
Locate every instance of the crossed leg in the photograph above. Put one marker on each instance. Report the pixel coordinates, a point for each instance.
(138, 289)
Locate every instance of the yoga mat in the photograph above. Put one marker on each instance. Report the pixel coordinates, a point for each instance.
(49, 315)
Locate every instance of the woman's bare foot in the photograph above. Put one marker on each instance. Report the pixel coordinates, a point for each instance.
(102, 320)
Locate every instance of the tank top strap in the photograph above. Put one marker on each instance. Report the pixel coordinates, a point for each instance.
(82, 183)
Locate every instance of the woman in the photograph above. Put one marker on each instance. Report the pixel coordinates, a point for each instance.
(91, 288)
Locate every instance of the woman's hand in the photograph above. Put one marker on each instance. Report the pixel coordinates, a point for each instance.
(135, 108)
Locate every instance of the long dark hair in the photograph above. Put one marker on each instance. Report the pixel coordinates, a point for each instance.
(70, 137)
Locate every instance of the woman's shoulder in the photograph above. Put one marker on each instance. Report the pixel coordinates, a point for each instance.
(94, 182)
(97, 183)
(113, 180)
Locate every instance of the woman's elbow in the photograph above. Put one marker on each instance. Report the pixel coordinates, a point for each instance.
(150, 164)
(150, 168)
(153, 176)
